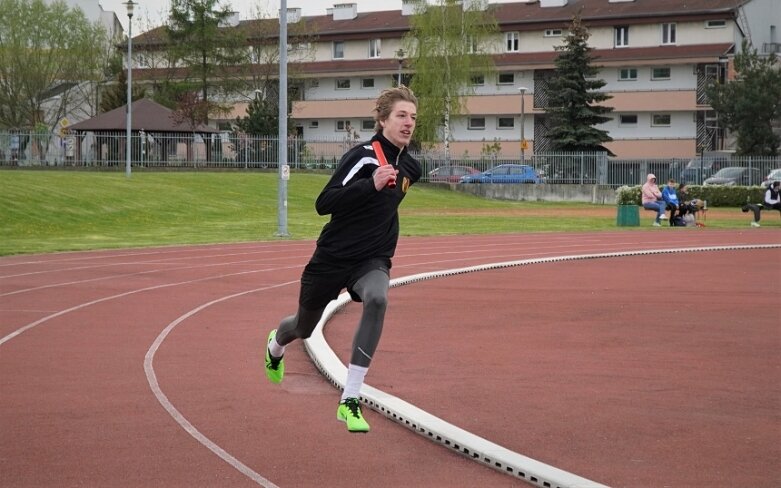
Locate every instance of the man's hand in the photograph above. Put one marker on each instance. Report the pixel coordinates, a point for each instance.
(384, 175)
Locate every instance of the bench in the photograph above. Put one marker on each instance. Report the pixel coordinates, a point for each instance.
(692, 210)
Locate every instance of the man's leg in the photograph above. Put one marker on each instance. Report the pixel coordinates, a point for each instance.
(372, 288)
(298, 326)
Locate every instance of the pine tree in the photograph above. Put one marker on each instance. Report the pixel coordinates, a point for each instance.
(209, 50)
(751, 104)
(115, 95)
(574, 99)
(448, 45)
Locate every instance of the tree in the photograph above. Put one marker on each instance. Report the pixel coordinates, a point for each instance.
(115, 96)
(207, 47)
(44, 49)
(448, 45)
(749, 105)
(573, 96)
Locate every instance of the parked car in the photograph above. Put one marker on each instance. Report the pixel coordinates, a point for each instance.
(734, 175)
(699, 169)
(505, 173)
(450, 174)
(774, 175)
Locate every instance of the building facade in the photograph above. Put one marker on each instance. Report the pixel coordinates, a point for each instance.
(657, 57)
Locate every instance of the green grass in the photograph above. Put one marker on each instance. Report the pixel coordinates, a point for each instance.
(46, 211)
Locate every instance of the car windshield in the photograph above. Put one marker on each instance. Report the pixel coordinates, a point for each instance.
(728, 173)
(776, 173)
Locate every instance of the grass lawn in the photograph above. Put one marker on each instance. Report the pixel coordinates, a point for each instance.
(46, 211)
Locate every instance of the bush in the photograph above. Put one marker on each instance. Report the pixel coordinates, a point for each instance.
(716, 195)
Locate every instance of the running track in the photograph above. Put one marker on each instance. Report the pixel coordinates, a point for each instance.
(659, 370)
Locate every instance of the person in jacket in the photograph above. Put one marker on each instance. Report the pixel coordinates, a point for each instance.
(652, 198)
(355, 247)
(671, 199)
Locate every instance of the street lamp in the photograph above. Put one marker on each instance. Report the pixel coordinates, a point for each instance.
(400, 58)
(523, 122)
(129, 122)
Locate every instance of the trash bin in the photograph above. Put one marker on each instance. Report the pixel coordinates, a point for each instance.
(628, 216)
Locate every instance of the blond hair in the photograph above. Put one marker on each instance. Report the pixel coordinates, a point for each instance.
(386, 101)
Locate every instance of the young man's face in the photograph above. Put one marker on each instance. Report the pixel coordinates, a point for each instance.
(400, 124)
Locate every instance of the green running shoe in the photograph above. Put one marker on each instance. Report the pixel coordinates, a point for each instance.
(275, 367)
(349, 412)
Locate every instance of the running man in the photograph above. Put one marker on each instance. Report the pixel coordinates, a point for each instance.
(355, 248)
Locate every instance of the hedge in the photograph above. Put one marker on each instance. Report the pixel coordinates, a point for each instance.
(715, 195)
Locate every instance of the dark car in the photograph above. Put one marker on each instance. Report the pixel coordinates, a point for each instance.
(697, 170)
(450, 174)
(735, 176)
(505, 173)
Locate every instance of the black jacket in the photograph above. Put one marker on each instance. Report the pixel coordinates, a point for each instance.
(364, 222)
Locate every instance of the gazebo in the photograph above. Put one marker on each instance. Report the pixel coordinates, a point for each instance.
(156, 135)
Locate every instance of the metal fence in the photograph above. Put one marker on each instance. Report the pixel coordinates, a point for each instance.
(233, 151)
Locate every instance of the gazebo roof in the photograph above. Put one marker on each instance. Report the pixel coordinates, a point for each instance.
(147, 115)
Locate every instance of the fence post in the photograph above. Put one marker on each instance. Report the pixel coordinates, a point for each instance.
(582, 167)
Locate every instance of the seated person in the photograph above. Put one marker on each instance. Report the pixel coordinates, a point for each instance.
(772, 197)
(684, 205)
(671, 199)
(652, 198)
(772, 201)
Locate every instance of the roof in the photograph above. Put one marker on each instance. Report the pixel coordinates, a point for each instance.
(508, 15)
(147, 115)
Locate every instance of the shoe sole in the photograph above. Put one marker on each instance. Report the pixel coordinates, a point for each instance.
(342, 419)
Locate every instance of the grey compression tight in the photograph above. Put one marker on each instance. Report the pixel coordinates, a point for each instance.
(373, 290)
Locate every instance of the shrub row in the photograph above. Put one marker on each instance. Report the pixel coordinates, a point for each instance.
(715, 195)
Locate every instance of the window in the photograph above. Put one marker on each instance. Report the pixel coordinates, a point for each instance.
(367, 83)
(374, 48)
(627, 120)
(505, 79)
(552, 32)
(627, 74)
(505, 123)
(661, 120)
(314, 124)
(342, 125)
(476, 123)
(512, 42)
(660, 73)
(343, 83)
(621, 36)
(668, 34)
(367, 124)
(338, 50)
(471, 45)
(715, 24)
(477, 80)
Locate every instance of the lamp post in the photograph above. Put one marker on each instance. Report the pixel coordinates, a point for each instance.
(523, 123)
(400, 58)
(129, 122)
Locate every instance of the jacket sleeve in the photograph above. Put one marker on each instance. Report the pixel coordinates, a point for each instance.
(350, 186)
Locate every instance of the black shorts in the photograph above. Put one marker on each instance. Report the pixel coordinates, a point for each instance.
(321, 282)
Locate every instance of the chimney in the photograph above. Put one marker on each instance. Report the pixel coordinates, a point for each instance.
(293, 15)
(409, 7)
(345, 11)
(553, 3)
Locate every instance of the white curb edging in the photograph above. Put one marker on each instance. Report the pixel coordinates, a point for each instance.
(436, 429)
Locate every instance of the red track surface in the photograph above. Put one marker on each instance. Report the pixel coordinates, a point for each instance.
(637, 371)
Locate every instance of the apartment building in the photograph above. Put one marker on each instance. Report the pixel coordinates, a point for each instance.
(657, 57)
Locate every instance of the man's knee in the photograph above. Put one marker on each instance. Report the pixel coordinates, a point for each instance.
(376, 300)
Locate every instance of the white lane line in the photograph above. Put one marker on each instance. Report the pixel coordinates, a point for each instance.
(40, 321)
(176, 414)
(449, 435)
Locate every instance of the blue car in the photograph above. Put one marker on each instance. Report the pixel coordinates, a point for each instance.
(505, 173)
